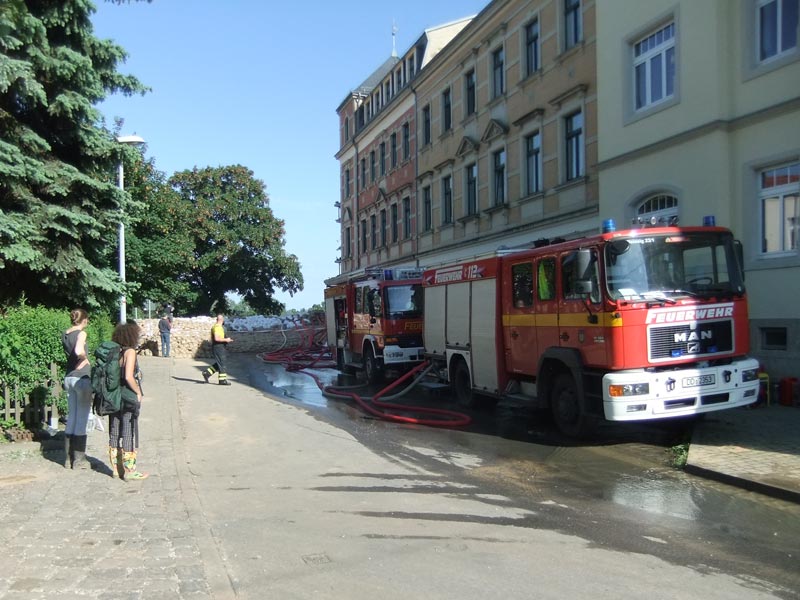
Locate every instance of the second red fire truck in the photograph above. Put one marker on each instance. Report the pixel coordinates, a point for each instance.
(374, 320)
(632, 325)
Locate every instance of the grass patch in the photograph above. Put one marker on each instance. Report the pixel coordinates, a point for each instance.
(679, 454)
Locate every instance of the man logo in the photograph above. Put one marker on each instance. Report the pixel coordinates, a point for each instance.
(693, 335)
(692, 348)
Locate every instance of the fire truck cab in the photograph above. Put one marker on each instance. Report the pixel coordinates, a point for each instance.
(374, 321)
(631, 325)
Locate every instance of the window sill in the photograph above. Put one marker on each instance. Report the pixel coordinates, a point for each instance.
(582, 180)
(446, 134)
(532, 197)
(572, 50)
(496, 208)
(467, 218)
(470, 117)
(531, 78)
(448, 225)
(648, 111)
(759, 68)
(497, 100)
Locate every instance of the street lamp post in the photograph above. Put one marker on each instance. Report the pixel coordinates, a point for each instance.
(123, 139)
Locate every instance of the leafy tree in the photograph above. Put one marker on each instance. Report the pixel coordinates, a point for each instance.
(59, 205)
(159, 248)
(238, 241)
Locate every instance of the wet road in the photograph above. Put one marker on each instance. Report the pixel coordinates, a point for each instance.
(619, 491)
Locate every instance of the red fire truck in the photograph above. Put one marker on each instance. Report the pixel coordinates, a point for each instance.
(631, 325)
(375, 320)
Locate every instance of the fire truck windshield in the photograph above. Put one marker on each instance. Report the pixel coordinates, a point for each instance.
(664, 267)
(403, 301)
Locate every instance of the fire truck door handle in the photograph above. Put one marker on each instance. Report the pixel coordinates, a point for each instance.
(564, 336)
(514, 334)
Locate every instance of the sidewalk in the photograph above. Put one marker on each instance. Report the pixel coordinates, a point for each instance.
(70, 534)
(756, 449)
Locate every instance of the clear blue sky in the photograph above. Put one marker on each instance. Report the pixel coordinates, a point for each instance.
(257, 83)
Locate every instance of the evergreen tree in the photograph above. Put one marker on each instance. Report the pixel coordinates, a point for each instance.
(59, 204)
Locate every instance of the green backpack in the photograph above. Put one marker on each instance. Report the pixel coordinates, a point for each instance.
(106, 379)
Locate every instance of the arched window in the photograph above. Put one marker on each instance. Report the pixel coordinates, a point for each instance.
(661, 207)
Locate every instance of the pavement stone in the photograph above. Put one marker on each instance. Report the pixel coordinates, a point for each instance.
(757, 449)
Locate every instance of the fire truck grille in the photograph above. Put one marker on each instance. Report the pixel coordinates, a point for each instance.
(409, 341)
(679, 341)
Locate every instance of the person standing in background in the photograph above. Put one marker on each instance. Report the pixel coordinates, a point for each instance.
(78, 385)
(165, 329)
(220, 352)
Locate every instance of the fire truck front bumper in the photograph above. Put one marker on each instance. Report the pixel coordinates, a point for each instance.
(395, 355)
(644, 395)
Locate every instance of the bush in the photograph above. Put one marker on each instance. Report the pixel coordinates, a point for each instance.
(30, 339)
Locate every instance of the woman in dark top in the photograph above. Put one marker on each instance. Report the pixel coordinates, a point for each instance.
(123, 430)
(78, 385)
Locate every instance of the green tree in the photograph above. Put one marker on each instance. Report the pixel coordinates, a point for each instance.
(159, 248)
(238, 241)
(59, 205)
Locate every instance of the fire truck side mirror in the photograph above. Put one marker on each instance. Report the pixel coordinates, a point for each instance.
(737, 246)
(584, 284)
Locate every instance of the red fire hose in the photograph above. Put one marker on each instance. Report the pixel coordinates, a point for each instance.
(317, 357)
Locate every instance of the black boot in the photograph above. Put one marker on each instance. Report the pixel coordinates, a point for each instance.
(79, 460)
(67, 451)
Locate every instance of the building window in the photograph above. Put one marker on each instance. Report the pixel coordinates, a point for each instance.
(427, 209)
(406, 218)
(498, 73)
(447, 121)
(774, 338)
(372, 166)
(383, 227)
(779, 190)
(447, 199)
(393, 149)
(471, 191)
(533, 163)
(406, 141)
(383, 158)
(499, 162)
(346, 129)
(363, 236)
(373, 237)
(654, 67)
(469, 93)
(394, 223)
(348, 250)
(426, 124)
(363, 173)
(659, 208)
(574, 144)
(347, 183)
(777, 27)
(532, 47)
(572, 23)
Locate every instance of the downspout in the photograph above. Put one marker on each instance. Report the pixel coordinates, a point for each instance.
(415, 245)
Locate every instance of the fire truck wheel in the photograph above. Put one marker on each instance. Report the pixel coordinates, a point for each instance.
(462, 385)
(567, 411)
(372, 368)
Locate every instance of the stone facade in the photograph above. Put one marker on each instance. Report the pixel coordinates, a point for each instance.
(191, 336)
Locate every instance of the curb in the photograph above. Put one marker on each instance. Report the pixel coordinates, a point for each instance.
(746, 484)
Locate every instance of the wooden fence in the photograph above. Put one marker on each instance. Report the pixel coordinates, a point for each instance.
(32, 409)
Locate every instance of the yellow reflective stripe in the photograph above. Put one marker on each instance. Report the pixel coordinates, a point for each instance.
(605, 319)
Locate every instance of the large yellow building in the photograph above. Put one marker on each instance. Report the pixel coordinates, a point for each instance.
(540, 118)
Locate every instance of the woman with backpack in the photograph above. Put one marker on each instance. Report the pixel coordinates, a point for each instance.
(123, 426)
(78, 385)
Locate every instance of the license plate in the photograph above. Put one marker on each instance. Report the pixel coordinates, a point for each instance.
(699, 380)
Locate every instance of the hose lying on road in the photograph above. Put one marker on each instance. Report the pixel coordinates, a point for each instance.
(296, 361)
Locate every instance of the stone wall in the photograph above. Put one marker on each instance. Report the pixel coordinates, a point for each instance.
(191, 336)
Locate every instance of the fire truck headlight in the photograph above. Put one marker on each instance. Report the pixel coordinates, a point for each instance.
(749, 375)
(628, 389)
